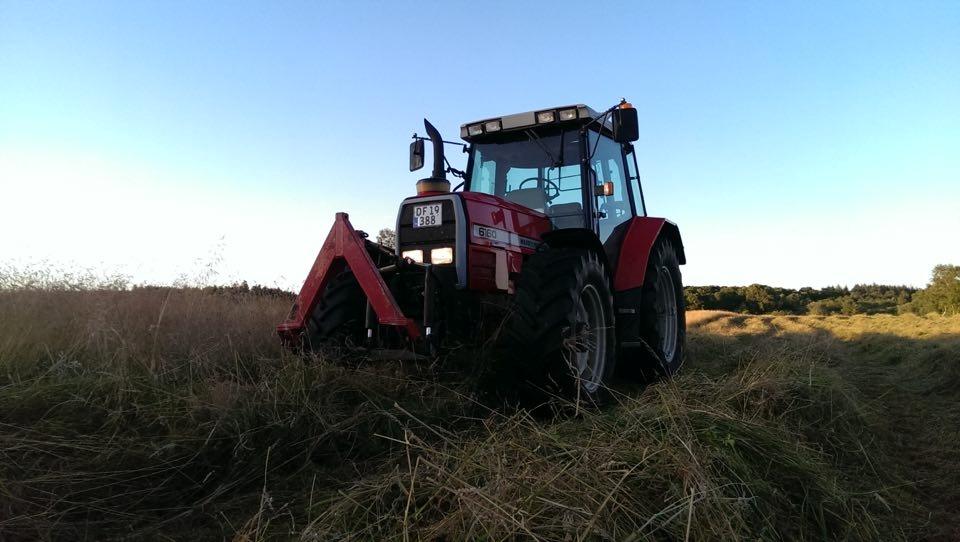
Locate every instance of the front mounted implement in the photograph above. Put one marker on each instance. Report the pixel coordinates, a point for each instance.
(345, 247)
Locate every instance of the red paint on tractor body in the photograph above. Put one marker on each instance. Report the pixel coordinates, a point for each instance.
(344, 247)
(496, 212)
(642, 233)
(492, 261)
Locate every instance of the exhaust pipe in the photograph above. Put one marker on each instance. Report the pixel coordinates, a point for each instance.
(438, 182)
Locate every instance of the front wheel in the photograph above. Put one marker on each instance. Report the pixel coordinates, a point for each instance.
(560, 336)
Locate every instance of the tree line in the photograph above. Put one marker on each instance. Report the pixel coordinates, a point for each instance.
(762, 299)
(941, 296)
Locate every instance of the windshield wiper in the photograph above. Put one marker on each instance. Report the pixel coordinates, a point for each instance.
(536, 139)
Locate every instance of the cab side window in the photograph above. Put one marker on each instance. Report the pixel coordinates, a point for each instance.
(634, 179)
(484, 174)
(607, 166)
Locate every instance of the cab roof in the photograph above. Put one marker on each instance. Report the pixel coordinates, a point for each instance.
(539, 117)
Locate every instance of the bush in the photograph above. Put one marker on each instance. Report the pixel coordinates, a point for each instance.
(941, 296)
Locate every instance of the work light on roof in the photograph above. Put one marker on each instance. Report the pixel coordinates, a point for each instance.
(492, 126)
(568, 114)
(475, 129)
(544, 117)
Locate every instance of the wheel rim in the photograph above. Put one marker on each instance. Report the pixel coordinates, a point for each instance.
(667, 301)
(590, 346)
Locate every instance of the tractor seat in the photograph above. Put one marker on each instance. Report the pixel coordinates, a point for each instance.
(534, 198)
(566, 215)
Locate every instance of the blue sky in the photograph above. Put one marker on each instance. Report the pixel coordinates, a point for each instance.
(794, 143)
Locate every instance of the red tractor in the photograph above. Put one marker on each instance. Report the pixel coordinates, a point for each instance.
(545, 251)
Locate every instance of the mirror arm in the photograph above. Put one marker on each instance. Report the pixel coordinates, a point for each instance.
(444, 141)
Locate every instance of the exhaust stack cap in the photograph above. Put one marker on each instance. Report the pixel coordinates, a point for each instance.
(438, 181)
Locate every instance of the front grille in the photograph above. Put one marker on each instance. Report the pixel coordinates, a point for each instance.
(443, 235)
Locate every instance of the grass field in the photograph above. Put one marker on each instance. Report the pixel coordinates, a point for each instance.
(171, 414)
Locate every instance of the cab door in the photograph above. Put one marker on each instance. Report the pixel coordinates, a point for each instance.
(607, 165)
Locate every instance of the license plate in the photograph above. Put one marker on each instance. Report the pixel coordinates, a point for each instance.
(425, 216)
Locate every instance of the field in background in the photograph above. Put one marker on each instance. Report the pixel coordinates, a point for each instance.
(165, 414)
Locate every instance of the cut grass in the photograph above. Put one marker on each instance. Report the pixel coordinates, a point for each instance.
(699, 459)
(173, 413)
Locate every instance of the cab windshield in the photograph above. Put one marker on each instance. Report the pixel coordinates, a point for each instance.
(539, 171)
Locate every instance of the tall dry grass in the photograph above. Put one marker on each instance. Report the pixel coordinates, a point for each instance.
(154, 330)
(157, 410)
(167, 413)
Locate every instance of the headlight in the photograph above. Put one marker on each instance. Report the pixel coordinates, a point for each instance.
(415, 255)
(441, 255)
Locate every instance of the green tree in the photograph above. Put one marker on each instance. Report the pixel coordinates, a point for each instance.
(824, 307)
(387, 237)
(758, 299)
(849, 306)
(729, 299)
(942, 295)
(693, 300)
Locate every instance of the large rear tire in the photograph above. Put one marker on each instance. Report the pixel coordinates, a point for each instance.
(338, 318)
(663, 323)
(559, 336)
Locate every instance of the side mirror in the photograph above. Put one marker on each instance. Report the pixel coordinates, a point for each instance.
(416, 154)
(625, 126)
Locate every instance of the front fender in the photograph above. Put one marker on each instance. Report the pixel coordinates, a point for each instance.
(634, 252)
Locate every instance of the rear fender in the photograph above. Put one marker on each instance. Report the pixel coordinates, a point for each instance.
(642, 234)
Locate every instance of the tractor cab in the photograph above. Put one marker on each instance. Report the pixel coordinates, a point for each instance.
(570, 163)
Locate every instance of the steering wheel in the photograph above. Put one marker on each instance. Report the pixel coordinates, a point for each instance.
(548, 183)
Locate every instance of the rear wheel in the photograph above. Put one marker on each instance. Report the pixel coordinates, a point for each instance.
(559, 335)
(662, 312)
(338, 318)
